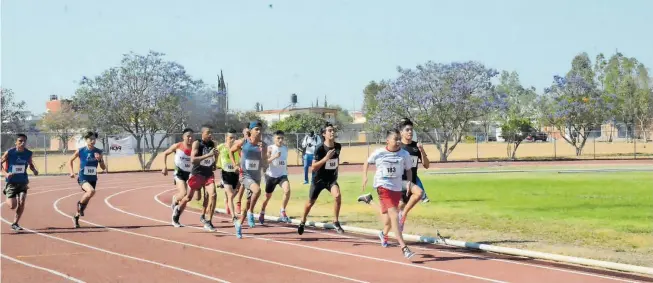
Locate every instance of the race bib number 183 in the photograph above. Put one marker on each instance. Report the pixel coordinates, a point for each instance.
(390, 172)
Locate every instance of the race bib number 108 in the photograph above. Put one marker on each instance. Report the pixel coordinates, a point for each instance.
(18, 169)
(331, 164)
(90, 171)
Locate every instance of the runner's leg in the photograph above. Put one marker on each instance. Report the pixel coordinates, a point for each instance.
(22, 196)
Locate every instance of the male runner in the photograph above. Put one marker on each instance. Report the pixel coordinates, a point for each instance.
(241, 188)
(390, 162)
(183, 166)
(411, 197)
(253, 158)
(14, 164)
(89, 159)
(229, 174)
(325, 176)
(277, 174)
(202, 158)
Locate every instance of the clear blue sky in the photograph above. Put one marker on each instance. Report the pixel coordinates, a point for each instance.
(312, 48)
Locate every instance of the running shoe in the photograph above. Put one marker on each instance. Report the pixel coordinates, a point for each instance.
(239, 229)
(425, 200)
(76, 221)
(175, 217)
(384, 239)
(284, 216)
(16, 227)
(250, 219)
(407, 252)
(338, 227)
(209, 227)
(202, 219)
(366, 198)
(300, 230)
(261, 217)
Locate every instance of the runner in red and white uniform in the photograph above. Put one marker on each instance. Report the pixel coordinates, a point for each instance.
(182, 151)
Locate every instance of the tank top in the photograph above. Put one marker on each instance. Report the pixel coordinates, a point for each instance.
(250, 161)
(205, 167)
(182, 158)
(279, 166)
(223, 159)
(88, 164)
(17, 163)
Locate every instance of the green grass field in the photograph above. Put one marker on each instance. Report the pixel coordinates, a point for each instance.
(606, 216)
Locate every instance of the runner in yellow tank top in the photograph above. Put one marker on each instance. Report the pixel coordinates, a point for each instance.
(230, 176)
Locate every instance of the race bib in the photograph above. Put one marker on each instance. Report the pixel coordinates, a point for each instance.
(230, 167)
(90, 171)
(251, 164)
(390, 172)
(18, 169)
(280, 162)
(414, 158)
(207, 162)
(331, 164)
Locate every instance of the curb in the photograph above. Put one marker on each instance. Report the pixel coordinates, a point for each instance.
(477, 246)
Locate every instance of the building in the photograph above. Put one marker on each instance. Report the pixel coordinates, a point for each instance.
(52, 106)
(272, 116)
(358, 116)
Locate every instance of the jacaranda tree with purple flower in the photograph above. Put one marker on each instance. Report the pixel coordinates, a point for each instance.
(441, 99)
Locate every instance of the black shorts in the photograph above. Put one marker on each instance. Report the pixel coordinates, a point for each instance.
(81, 182)
(317, 187)
(181, 175)
(14, 189)
(230, 179)
(272, 182)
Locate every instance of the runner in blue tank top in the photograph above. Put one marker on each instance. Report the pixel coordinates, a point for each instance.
(14, 167)
(252, 161)
(89, 159)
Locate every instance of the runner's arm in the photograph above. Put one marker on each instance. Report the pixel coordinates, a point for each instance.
(235, 147)
(270, 156)
(70, 162)
(197, 159)
(32, 166)
(101, 162)
(425, 159)
(168, 151)
(5, 164)
(318, 164)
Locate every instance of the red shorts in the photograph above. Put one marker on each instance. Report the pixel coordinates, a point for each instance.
(388, 198)
(196, 182)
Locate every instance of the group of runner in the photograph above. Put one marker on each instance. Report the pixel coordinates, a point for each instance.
(243, 162)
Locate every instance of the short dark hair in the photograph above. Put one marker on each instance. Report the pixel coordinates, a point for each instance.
(90, 134)
(405, 122)
(278, 133)
(231, 131)
(326, 125)
(391, 132)
(188, 130)
(21, 136)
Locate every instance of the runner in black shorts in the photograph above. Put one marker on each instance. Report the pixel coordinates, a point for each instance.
(325, 176)
(183, 166)
(229, 173)
(277, 175)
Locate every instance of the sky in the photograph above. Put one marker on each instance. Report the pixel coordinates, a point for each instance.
(311, 48)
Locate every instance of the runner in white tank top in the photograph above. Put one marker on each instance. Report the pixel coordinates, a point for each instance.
(182, 151)
(277, 174)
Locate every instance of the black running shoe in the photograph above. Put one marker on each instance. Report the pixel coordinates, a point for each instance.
(300, 230)
(407, 252)
(366, 198)
(16, 227)
(338, 227)
(203, 219)
(76, 221)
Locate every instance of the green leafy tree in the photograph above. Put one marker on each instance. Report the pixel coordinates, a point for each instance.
(142, 96)
(13, 117)
(515, 111)
(298, 123)
(514, 131)
(64, 124)
(370, 105)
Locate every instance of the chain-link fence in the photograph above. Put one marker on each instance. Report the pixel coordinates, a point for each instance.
(126, 153)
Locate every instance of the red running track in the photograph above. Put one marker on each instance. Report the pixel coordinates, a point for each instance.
(126, 236)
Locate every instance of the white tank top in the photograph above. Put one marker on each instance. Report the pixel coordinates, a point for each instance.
(279, 166)
(182, 158)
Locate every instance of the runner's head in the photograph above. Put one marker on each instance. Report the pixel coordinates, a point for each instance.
(246, 131)
(21, 141)
(392, 139)
(230, 136)
(278, 138)
(187, 136)
(207, 131)
(90, 138)
(328, 132)
(255, 128)
(406, 128)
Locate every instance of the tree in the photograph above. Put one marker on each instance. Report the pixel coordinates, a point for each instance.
(514, 110)
(514, 131)
(142, 96)
(13, 117)
(576, 106)
(298, 123)
(370, 105)
(441, 99)
(64, 124)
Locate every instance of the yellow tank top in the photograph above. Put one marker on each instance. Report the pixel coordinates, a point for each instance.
(224, 162)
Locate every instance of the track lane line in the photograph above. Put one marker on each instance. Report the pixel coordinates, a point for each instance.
(52, 271)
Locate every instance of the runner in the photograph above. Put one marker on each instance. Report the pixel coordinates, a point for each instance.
(229, 175)
(203, 156)
(390, 162)
(14, 164)
(325, 176)
(89, 159)
(253, 158)
(182, 151)
(277, 174)
(410, 197)
(240, 190)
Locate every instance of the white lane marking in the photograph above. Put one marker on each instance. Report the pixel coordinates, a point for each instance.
(316, 248)
(43, 268)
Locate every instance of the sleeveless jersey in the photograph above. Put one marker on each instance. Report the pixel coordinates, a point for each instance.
(223, 159)
(415, 156)
(17, 163)
(278, 167)
(182, 158)
(250, 161)
(390, 167)
(88, 164)
(328, 173)
(205, 168)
